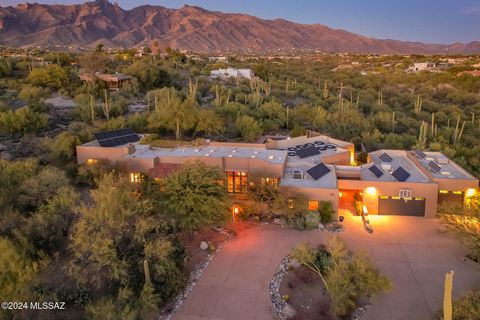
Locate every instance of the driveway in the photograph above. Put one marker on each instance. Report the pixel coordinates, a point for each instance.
(411, 251)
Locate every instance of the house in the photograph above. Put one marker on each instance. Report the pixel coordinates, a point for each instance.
(231, 73)
(113, 81)
(393, 182)
(423, 66)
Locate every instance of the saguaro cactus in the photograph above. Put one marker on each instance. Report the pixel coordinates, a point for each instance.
(418, 104)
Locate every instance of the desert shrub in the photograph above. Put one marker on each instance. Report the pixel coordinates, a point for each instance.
(325, 212)
(312, 219)
(466, 307)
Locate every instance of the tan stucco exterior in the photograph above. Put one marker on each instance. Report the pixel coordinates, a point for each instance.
(247, 157)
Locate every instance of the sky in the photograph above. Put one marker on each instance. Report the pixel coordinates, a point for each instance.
(430, 21)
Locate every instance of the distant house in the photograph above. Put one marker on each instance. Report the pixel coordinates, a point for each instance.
(231, 73)
(423, 66)
(113, 81)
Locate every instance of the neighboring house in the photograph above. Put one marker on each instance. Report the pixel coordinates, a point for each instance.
(393, 182)
(113, 81)
(231, 73)
(423, 66)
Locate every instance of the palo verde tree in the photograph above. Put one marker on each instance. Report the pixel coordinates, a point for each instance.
(194, 197)
(111, 242)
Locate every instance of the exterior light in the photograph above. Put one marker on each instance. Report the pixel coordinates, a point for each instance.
(340, 194)
(371, 191)
(470, 192)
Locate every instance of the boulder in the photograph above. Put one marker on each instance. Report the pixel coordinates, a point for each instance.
(203, 245)
(321, 227)
(3, 147)
(288, 311)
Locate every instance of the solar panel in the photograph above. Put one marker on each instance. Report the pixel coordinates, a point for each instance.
(116, 137)
(331, 146)
(319, 142)
(323, 148)
(377, 172)
(401, 174)
(385, 157)
(434, 167)
(420, 154)
(307, 152)
(318, 171)
(291, 149)
(292, 153)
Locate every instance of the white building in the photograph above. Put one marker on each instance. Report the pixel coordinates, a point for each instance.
(231, 73)
(423, 66)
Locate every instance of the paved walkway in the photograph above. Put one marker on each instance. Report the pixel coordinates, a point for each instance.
(411, 251)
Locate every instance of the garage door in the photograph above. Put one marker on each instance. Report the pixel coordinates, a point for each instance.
(451, 196)
(401, 206)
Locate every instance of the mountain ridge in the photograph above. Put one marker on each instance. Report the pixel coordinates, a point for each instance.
(189, 27)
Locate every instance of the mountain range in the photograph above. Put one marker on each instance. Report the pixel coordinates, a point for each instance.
(190, 28)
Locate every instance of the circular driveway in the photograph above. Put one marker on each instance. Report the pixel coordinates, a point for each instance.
(412, 252)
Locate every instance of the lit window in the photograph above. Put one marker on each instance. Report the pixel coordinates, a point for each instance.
(92, 161)
(237, 181)
(443, 191)
(457, 192)
(270, 181)
(135, 177)
(291, 204)
(313, 205)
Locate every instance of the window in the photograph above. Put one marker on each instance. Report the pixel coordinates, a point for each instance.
(291, 204)
(405, 193)
(313, 205)
(443, 191)
(92, 161)
(237, 181)
(270, 181)
(135, 177)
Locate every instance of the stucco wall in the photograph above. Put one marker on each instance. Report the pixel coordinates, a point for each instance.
(429, 191)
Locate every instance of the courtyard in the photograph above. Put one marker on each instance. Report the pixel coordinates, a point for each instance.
(415, 253)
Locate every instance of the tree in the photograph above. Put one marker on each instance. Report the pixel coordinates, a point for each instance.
(149, 75)
(248, 127)
(466, 307)
(99, 48)
(93, 62)
(464, 221)
(22, 121)
(17, 272)
(208, 123)
(34, 96)
(171, 112)
(307, 256)
(194, 196)
(113, 238)
(52, 76)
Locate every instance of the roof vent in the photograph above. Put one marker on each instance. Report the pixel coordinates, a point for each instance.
(207, 155)
(253, 157)
(270, 157)
(230, 155)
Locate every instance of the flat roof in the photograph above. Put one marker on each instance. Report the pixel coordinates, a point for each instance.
(270, 156)
(449, 169)
(328, 181)
(399, 159)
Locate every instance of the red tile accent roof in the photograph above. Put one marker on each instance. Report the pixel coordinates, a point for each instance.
(163, 170)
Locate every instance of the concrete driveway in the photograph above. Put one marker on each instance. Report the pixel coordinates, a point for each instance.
(411, 251)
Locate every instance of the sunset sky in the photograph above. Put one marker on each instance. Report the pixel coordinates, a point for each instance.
(432, 21)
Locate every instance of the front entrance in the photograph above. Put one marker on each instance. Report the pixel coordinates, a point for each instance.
(346, 200)
(401, 206)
